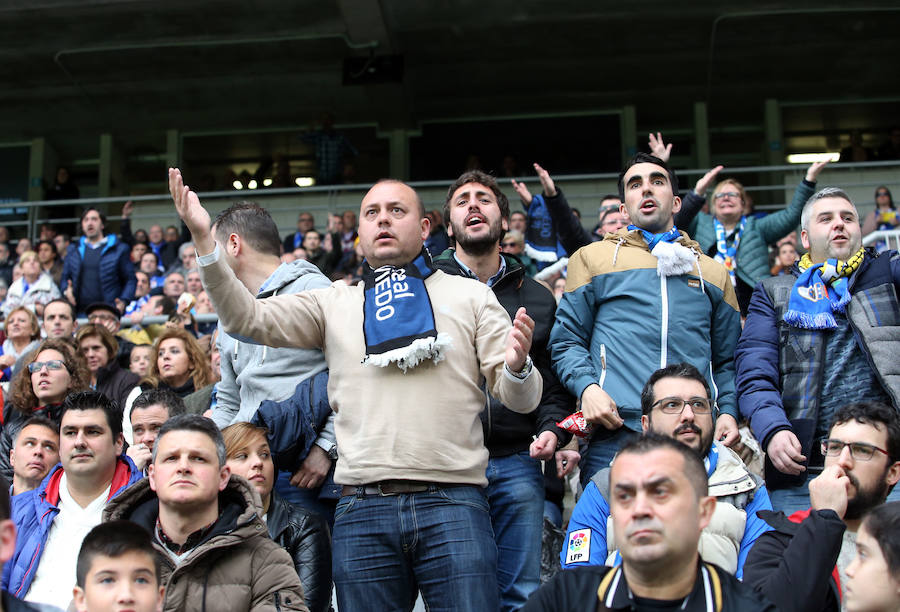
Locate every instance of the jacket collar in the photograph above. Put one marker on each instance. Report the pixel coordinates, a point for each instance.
(706, 596)
(514, 272)
(120, 479)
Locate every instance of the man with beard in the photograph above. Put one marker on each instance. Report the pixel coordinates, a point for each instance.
(675, 402)
(477, 213)
(801, 564)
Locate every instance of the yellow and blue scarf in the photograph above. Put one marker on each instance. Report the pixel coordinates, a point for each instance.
(811, 304)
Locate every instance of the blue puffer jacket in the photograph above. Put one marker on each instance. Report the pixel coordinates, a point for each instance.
(34, 512)
(619, 321)
(295, 423)
(116, 270)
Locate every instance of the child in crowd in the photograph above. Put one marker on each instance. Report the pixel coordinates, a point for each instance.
(139, 362)
(117, 570)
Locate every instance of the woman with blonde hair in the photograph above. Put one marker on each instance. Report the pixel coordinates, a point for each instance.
(23, 332)
(34, 288)
(178, 363)
(302, 534)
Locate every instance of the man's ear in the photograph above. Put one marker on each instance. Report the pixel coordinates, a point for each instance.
(645, 423)
(224, 477)
(7, 540)
(78, 599)
(707, 509)
(120, 444)
(676, 204)
(893, 473)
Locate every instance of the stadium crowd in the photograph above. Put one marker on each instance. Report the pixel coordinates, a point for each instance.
(409, 403)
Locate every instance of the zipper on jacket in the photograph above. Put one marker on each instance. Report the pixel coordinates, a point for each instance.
(602, 365)
(664, 327)
(715, 388)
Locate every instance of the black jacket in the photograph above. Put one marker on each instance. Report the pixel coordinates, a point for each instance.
(13, 421)
(794, 565)
(116, 383)
(507, 432)
(13, 604)
(306, 539)
(580, 589)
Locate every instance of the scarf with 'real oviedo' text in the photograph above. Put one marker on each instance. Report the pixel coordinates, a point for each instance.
(398, 320)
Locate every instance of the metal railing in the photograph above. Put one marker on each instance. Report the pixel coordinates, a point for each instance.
(582, 190)
(890, 237)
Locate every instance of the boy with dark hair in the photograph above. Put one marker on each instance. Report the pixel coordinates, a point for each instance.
(117, 569)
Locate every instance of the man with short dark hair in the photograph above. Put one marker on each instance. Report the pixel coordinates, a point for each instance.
(823, 335)
(675, 402)
(35, 451)
(660, 505)
(98, 268)
(252, 373)
(54, 518)
(801, 564)
(388, 342)
(636, 301)
(59, 319)
(149, 412)
(476, 213)
(207, 526)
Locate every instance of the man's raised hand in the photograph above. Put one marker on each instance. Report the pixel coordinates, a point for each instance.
(524, 195)
(188, 206)
(546, 181)
(659, 148)
(518, 342)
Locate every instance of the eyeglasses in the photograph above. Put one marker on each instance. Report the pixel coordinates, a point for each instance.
(734, 195)
(506, 245)
(53, 364)
(881, 193)
(675, 405)
(860, 451)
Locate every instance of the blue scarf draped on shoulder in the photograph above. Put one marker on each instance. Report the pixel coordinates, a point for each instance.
(541, 243)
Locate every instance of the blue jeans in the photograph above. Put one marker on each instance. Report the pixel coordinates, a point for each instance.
(515, 493)
(307, 499)
(602, 448)
(439, 541)
(797, 498)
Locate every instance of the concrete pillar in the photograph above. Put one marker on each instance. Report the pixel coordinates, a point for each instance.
(398, 140)
(41, 168)
(111, 170)
(702, 158)
(774, 135)
(629, 132)
(173, 149)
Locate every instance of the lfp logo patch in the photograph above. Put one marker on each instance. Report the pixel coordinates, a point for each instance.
(579, 546)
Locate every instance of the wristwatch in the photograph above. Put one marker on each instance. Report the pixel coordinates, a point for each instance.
(330, 448)
(524, 372)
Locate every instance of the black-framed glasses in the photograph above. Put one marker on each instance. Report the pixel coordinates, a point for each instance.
(675, 405)
(882, 193)
(53, 364)
(507, 245)
(734, 195)
(832, 447)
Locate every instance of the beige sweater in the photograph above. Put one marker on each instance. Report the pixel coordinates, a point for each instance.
(423, 425)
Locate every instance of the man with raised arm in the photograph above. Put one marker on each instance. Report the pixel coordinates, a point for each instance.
(406, 351)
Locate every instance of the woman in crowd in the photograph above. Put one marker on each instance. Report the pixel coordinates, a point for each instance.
(34, 288)
(99, 349)
(51, 263)
(738, 240)
(178, 363)
(48, 375)
(873, 577)
(883, 218)
(22, 335)
(302, 534)
(785, 258)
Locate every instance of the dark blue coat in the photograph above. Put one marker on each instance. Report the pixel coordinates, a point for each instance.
(116, 270)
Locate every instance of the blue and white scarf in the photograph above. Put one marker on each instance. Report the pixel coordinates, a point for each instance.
(541, 242)
(811, 304)
(725, 254)
(398, 320)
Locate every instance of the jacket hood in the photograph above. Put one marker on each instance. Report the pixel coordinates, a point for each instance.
(239, 504)
(634, 238)
(286, 274)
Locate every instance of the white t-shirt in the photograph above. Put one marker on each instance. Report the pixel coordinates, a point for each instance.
(55, 575)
